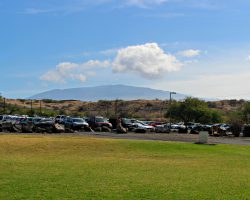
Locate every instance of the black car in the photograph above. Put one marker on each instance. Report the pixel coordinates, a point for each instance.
(127, 123)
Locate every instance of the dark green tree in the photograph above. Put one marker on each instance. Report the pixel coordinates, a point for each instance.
(193, 110)
(246, 113)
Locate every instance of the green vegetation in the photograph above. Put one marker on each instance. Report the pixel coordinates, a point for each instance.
(246, 112)
(74, 167)
(191, 109)
(194, 110)
(11, 109)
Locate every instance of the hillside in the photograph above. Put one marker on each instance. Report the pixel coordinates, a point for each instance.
(144, 109)
(109, 92)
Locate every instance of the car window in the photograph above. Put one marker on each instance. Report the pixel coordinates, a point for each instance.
(68, 119)
(78, 120)
(99, 119)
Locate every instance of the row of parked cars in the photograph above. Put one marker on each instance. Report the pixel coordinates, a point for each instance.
(62, 123)
(57, 124)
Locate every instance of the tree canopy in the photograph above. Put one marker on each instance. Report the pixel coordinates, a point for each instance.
(193, 110)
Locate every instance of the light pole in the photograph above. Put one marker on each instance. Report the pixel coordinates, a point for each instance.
(4, 106)
(31, 107)
(116, 108)
(40, 107)
(170, 101)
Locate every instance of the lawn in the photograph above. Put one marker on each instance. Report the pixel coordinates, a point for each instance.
(83, 167)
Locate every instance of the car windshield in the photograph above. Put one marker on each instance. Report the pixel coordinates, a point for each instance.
(46, 120)
(79, 120)
(100, 119)
(1, 117)
(142, 123)
(126, 121)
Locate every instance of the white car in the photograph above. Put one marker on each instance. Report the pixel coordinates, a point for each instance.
(141, 127)
(60, 119)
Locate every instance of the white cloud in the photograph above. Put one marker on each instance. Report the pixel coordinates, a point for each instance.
(95, 63)
(189, 53)
(73, 71)
(53, 76)
(248, 57)
(110, 52)
(147, 60)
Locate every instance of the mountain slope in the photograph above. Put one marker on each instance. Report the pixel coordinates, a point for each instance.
(109, 92)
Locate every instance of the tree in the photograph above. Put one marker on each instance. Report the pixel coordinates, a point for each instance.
(246, 112)
(193, 110)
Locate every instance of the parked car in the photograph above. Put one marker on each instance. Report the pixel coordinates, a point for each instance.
(4, 118)
(246, 130)
(140, 127)
(225, 127)
(196, 128)
(164, 128)
(76, 124)
(47, 125)
(27, 120)
(25, 125)
(127, 123)
(179, 128)
(98, 122)
(5, 123)
(60, 119)
(147, 122)
(155, 123)
(191, 125)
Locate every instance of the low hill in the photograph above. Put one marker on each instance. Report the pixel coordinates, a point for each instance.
(109, 92)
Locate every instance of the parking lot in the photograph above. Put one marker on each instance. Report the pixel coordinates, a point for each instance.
(171, 137)
(123, 128)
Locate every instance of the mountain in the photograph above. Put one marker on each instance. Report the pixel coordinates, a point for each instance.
(108, 92)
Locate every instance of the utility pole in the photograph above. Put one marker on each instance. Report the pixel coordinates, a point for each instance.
(4, 106)
(107, 109)
(170, 101)
(116, 108)
(40, 107)
(31, 106)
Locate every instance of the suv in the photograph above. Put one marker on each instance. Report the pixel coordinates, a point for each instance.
(5, 122)
(97, 121)
(76, 123)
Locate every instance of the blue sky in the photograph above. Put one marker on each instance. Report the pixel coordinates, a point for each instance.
(196, 47)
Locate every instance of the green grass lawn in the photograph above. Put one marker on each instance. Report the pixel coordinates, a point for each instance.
(74, 167)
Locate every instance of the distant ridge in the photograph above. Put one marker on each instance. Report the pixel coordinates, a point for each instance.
(107, 92)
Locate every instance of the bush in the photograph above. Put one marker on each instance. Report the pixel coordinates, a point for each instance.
(246, 131)
(236, 127)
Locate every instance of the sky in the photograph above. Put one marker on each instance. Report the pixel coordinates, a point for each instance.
(195, 47)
